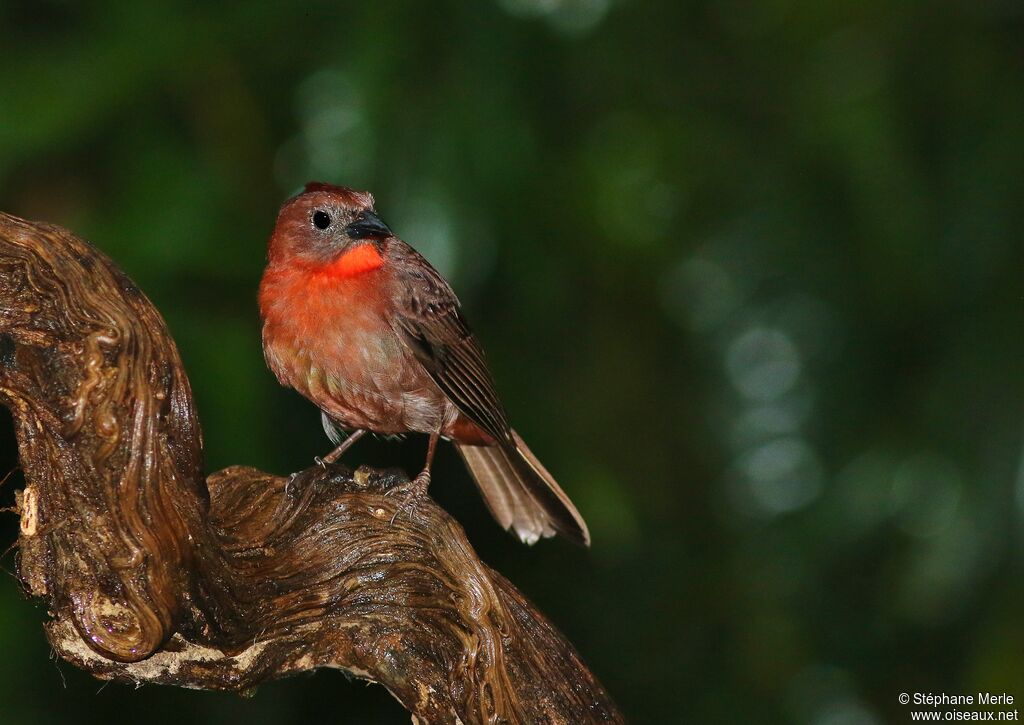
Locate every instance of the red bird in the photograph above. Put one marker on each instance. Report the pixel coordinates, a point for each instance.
(358, 322)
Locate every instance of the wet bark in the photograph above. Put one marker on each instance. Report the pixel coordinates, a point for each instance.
(153, 572)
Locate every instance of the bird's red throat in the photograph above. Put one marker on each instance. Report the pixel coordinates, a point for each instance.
(356, 261)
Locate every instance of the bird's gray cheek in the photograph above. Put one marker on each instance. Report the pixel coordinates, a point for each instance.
(339, 242)
(329, 247)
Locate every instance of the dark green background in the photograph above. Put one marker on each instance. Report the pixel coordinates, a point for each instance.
(749, 274)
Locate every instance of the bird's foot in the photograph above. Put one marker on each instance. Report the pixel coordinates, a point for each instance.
(414, 491)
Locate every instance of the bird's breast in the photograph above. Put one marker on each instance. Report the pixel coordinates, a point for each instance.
(332, 341)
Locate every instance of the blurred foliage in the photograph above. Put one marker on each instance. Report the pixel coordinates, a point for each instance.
(748, 273)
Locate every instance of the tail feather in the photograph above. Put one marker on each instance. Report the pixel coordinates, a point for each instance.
(521, 494)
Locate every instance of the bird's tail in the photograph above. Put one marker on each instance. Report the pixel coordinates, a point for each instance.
(521, 494)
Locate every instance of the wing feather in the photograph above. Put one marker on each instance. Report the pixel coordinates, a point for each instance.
(430, 321)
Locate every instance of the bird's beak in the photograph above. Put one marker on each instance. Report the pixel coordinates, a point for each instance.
(367, 224)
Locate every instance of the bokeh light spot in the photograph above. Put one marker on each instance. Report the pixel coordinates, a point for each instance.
(763, 363)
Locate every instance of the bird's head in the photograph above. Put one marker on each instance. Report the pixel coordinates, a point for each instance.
(332, 228)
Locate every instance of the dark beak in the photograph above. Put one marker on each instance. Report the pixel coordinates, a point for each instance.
(368, 225)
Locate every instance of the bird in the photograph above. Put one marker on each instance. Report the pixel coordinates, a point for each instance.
(360, 323)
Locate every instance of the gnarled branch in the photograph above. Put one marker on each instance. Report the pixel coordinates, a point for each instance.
(153, 574)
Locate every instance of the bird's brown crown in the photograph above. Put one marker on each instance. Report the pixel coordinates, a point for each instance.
(341, 194)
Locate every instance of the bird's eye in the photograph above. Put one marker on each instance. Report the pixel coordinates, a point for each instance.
(321, 219)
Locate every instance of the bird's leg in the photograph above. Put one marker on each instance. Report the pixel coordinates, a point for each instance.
(342, 447)
(417, 487)
(423, 477)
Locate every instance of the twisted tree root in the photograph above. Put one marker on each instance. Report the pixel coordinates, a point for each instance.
(153, 574)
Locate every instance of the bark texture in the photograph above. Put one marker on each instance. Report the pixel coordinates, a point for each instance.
(152, 572)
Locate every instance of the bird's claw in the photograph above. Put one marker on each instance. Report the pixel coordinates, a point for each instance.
(414, 490)
(320, 462)
(288, 484)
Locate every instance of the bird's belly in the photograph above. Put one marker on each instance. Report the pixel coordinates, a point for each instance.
(363, 379)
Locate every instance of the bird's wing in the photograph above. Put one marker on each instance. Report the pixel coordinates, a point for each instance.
(431, 323)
